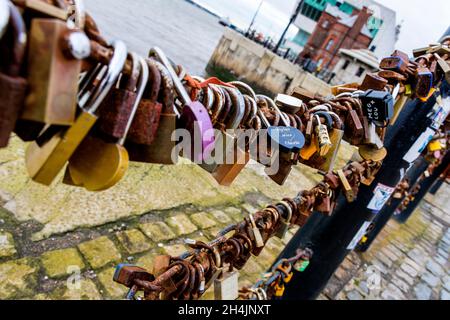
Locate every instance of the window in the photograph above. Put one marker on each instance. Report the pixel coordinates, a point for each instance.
(301, 38)
(373, 48)
(311, 12)
(329, 45)
(346, 64)
(325, 24)
(360, 72)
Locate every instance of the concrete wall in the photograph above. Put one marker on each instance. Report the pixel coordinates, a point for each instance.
(259, 67)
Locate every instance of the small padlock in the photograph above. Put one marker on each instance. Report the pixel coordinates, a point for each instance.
(378, 106)
(423, 83)
(226, 286)
(336, 135)
(12, 85)
(163, 148)
(146, 121)
(259, 242)
(398, 62)
(284, 222)
(126, 275)
(54, 63)
(116, 109)
(373, 81)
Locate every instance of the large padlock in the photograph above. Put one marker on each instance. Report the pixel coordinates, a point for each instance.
(226, 286)
(46, 157)
(163, 148)
(97, 165)
(378, 106)
(146, 121)
(12, 85)
(54, 63)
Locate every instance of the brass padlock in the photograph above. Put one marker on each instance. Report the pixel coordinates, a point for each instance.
(47, 157)
(12, 85)
(336, 135)
(98, 165)
(54, 65)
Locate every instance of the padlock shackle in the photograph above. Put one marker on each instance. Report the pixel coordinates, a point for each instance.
(114, 69)
(182, 94)
(142, 83)
(20, 41)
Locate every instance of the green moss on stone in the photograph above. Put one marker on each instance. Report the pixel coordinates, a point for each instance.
(17, 279)
(157, 231)
(113, 289)
(7, 247)
(181, 224)
(100, 252)
(203, 220)
(134, 241)
(59, 263)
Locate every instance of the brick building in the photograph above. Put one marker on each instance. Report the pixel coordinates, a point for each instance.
(334, 31)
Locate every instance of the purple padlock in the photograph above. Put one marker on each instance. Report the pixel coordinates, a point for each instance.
(194, 116)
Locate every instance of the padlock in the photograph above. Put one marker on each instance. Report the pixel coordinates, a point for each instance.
(288, 104)
(346, 187)
(226, 286)
(373, 81)
(285, 222)
(259, 242)
(126, 274)
(146, 121)
(54, 63)
(115, 111)
(378, 106)
(98, 165)
(45, 159)
(193, 116)
(444, 66)
(43, 8)
(398, 62)
(336, 135)
(423, 82)
(163, 148)
(301, 265)
(323, 138)
(12, 85)
(398, 107)
(435, 145)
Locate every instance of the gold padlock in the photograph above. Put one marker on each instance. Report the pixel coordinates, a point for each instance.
(54, 65)
(47, 157)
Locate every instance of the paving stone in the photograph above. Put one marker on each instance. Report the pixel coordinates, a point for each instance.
(414, 264)
(7, 247)
(409, 270)
(249, 208)
(445, 295)
(17, 278)
(392, 293)
(60, 263)
(384, 259)
(430, 279)
(175, 250)
(342, 274)
(252, 267)
(446, 282)
(221, 216)
(85, 290)
(440, 260)
(435, 268)
(203, 220)
(418, 256)
(402, 285)
(100, 252)
(390, 254)
(235, 213)
(147, 261)
(404, 276)
(134, 241)
(113, 289)
(181, 224)
(157, 231)
(422, 291)
(354, 295)
(381, 267)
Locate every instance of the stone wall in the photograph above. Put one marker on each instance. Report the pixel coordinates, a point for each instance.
(252, 63)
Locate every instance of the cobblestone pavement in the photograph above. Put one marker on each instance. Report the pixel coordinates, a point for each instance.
(406, 262)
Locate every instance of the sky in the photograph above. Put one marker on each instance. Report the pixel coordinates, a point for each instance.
(424, 22)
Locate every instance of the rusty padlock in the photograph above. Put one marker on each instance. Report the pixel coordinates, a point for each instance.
(12, 85)
(146, 121)
(54, 63)
(116, 109)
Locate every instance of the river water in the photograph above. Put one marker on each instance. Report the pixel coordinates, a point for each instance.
(187, 34)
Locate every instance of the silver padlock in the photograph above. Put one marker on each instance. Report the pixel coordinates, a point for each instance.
(284, 222)
(227, 286)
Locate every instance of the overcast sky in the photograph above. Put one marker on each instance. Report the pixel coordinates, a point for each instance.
(423, 21)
